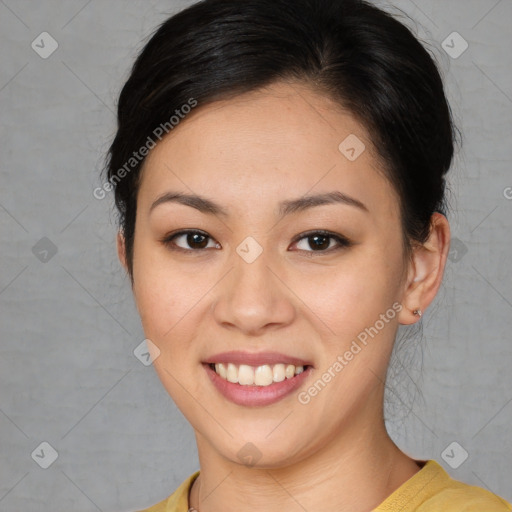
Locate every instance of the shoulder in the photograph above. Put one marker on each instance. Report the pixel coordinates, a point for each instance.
(461, 497)
(177, 501)
(432, 489)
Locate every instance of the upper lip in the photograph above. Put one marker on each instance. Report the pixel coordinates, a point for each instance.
(256, 358)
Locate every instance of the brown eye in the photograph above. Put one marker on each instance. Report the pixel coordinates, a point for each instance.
(189, 240)
(321, 242)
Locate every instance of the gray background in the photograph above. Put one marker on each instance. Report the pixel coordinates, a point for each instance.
(68, 374)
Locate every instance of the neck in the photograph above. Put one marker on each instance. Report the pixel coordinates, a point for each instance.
(355, 471)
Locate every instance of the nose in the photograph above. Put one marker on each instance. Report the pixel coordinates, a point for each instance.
(253, 298)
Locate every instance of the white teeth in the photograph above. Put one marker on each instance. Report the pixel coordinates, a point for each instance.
(263, 376)
(289, 371)
(278, 373)
(221, 370)
(245, 375)
(232, 373)
(260, 376)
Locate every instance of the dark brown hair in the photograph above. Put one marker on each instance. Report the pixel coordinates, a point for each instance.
(356, 53)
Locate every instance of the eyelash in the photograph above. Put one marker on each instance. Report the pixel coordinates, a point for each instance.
(342, 241)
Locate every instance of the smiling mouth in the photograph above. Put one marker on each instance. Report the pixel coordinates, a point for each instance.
(263, 375)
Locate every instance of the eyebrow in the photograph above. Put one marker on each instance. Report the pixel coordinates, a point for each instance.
(287, 207)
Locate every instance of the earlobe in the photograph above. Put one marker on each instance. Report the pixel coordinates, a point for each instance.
(428, 262)
(121, 250)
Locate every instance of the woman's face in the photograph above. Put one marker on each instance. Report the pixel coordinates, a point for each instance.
(253, 282)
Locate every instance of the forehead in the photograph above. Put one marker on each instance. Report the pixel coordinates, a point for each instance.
(281, 141)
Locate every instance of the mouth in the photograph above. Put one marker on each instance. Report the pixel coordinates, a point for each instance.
(263, 376)
(256, 386)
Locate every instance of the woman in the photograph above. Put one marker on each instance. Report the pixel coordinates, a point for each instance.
(279, 169)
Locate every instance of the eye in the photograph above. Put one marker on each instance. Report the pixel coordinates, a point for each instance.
(196, 240)
(320, 241)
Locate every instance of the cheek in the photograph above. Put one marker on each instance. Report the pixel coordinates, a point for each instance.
(162, 293)
(172, 301)
(169, 303)
(352, 295)
(164, 300)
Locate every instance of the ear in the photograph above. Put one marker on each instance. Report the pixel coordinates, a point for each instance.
(426, 270)
(121, 250)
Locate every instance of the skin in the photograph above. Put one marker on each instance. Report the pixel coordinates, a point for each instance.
(248, 154)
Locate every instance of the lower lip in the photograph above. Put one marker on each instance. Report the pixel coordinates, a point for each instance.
(252, 396)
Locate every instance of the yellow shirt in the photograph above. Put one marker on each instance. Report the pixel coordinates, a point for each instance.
(431, 489)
